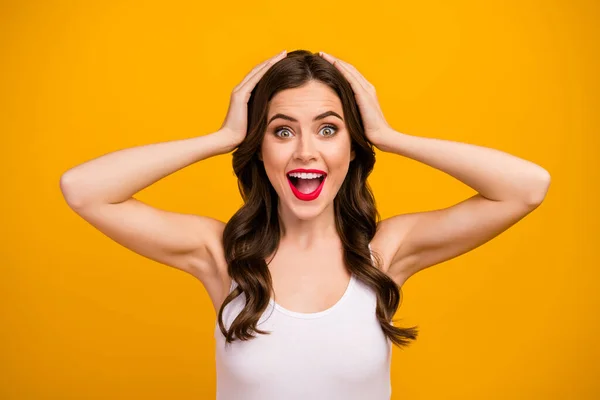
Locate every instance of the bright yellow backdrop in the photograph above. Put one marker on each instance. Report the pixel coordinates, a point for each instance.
(83, 318)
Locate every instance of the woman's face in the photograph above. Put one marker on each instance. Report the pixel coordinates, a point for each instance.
(306, 130)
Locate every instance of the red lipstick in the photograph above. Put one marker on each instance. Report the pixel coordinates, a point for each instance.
(307, 196)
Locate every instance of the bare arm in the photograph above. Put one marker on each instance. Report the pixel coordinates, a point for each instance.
(115, 177)
(101, 191)
(508, 189)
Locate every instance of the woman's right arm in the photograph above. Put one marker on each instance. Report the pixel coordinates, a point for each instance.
(101, 192)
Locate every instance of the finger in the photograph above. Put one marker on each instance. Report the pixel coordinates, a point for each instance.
(253, 80)
(354, 82)
(366, 85)
(260, 66)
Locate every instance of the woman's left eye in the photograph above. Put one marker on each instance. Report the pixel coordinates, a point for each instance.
(332, 130)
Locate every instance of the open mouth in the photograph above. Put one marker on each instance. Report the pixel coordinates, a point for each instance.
(306, 185)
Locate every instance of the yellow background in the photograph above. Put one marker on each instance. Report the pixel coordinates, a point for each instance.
(83, 318)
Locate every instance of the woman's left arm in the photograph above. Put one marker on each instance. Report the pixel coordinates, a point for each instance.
(508, 189)
(496, 175)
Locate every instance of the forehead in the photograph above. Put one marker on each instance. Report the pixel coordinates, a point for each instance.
(312, 98)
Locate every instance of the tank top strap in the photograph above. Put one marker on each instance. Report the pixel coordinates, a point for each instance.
(371, 252)
(232, 286)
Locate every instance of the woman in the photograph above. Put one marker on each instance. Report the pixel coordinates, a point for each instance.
(304, 278)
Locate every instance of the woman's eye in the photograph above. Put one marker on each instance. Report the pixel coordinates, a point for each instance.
(279, 130)
(329, 129)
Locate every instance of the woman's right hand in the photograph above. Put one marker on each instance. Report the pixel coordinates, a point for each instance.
(236, 121)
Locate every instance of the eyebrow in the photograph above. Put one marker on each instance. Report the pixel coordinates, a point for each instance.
(318, 117)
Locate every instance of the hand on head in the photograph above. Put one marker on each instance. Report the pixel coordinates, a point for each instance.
(236, 121)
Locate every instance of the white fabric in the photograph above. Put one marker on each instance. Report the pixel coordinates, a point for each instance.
(339, 353)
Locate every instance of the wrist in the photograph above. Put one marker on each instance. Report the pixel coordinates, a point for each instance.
(384, 139)
(226, 140)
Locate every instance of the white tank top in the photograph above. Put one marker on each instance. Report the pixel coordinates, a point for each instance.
(339, 353)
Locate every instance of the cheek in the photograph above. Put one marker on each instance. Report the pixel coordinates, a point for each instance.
(338, 156)
(271, 157)
(274, 161)
(338, 161)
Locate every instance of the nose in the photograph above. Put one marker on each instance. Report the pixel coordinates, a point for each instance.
(306, 148)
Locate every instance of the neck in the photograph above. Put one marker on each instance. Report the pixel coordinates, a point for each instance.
(308, 233)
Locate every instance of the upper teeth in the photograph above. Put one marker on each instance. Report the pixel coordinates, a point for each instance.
(304, 175)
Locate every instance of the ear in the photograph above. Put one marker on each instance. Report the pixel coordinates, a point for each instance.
(260, 155)
(352, 155)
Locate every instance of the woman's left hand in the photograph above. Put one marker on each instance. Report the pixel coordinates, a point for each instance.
(376, 127)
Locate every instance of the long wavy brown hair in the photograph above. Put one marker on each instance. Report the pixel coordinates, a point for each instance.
(253, 233)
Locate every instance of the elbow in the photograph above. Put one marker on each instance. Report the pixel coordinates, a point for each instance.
(68, 191)
(538, 190)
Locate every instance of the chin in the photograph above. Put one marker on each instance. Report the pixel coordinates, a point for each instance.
(306, 213)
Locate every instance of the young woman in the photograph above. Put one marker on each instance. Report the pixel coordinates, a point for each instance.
(304, 277)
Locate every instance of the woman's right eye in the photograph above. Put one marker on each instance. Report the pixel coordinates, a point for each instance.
(278, 132)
